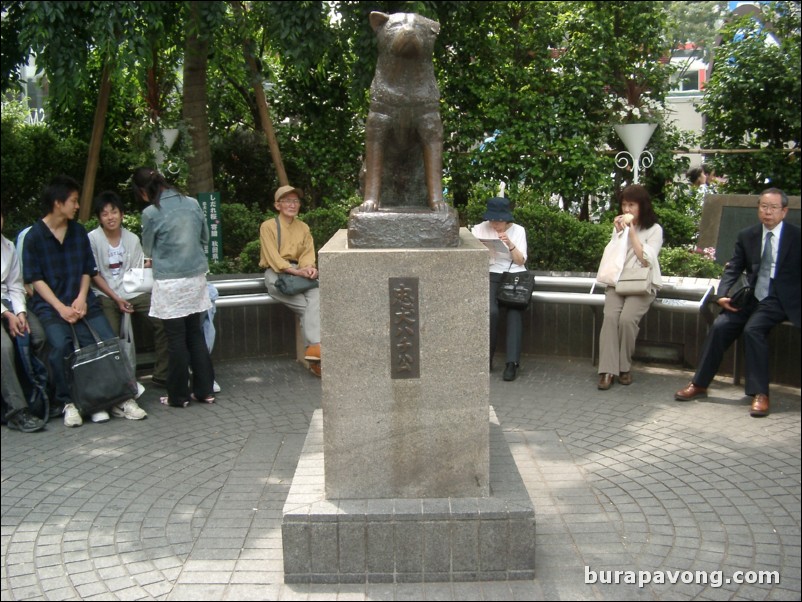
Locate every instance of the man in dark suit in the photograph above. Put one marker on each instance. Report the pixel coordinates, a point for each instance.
(769, 253)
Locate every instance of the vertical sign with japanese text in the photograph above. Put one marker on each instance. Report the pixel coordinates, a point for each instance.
(210, 204)
(404, 328)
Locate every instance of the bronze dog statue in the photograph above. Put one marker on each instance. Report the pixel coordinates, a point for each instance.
(403, 133)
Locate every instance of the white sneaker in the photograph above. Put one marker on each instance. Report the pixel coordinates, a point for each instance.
(139, 390)
(72, 417)
(101, 417)
(215, 387)
(130, 410)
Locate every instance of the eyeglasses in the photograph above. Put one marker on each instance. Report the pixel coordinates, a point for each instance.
(290, 202)
(770, 208)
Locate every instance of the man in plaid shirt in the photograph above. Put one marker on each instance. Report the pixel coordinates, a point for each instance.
(58, 262)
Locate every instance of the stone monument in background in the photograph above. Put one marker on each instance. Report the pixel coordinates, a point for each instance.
(405, 474)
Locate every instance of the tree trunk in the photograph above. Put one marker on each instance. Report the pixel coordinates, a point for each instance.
(267, 123)
(96, 141)
(201, 175)
(261, 102)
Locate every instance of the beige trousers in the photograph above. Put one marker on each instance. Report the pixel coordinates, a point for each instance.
(622, 315)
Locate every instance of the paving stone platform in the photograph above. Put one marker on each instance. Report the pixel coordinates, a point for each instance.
(187, 505)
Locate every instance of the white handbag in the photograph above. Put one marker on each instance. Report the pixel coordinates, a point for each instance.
(612, 262)
(138, 280)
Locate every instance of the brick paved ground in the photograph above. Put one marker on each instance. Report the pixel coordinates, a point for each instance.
(187, 504)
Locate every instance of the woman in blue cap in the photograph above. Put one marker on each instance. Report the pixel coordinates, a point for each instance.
(509, 256)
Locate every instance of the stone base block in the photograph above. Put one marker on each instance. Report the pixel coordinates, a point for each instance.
(409, 540)
(403, 228)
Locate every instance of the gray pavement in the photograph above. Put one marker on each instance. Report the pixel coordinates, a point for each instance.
(187, 504)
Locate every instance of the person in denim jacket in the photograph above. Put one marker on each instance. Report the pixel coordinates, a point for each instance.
(174, 236)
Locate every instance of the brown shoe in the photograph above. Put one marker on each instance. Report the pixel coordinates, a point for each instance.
(625, 378)
(313, 352)
(314, 368)
(760, 406)
(690, 392)
(605, 381)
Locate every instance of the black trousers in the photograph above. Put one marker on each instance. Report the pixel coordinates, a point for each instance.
(187, 348)
(515, 324)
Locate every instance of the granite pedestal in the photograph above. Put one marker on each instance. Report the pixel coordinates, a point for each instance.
(395, 481)
(407, 540)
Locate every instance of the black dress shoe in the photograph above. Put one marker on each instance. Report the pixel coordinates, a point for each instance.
(23, 420)
(510, 372)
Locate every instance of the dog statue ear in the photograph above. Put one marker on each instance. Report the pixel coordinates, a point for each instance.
(378, 19)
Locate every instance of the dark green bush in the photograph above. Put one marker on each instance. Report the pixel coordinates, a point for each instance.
(557, 241)
(248, 260)
(678, 228)
(324, 223)
(681, 261)
(243, 169)
(240, 225)
(34, 154)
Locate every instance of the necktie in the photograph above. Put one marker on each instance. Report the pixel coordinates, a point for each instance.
(764, 275)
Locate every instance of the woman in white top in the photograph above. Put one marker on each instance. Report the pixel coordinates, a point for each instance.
(622, 315)
(509, 256)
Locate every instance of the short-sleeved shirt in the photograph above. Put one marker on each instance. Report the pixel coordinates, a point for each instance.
(60, 265)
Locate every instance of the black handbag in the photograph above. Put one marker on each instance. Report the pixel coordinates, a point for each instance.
(744, 299)
(100, 374)
(290, 284)
(515, 289)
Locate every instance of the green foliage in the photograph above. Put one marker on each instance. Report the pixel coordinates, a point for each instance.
(324, 222)
(752, 101)
(240, 225)
(559, 242)
(248, 260)
(33, 154)
(556, 241)
(678, 227)
(688, 262)
(530, 79)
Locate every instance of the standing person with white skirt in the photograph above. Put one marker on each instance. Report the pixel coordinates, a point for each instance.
(174, 233)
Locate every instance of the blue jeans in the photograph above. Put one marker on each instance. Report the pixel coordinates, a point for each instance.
(59, 335)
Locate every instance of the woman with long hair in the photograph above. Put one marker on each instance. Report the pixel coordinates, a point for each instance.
(174, 233)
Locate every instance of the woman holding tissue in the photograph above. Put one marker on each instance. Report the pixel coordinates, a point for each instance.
(637, 225)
